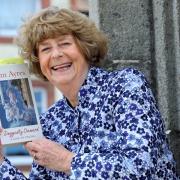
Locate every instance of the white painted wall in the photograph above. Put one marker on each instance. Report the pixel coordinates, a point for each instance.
(61, 3)
(8, 50)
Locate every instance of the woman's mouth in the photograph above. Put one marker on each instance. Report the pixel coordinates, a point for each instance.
(61, 67)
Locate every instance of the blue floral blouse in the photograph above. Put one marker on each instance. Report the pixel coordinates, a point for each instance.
(116, 132)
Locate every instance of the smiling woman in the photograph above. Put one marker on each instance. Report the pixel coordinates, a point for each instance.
(90, 41)
(107, 125)
(63, 64)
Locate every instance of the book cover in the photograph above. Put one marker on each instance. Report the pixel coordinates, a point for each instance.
(18, 111)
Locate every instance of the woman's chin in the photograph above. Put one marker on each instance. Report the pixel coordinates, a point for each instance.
(62, 80)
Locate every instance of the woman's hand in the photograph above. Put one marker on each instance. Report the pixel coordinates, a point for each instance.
(50, 154)
(1, 148)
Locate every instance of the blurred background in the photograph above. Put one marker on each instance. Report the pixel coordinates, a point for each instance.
(11, 15)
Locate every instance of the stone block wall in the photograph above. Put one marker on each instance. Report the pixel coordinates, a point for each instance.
(146, 34)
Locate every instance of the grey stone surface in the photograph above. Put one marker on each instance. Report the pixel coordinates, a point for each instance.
(167, 59)
(146, 34)
(167, 65)
(129, 28)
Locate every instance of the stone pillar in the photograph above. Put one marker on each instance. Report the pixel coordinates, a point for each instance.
(128, 24)
(146, 34)
(167, 58)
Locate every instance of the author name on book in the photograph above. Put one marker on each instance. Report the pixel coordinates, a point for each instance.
(12, 74)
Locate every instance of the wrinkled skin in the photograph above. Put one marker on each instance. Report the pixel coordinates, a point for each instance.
(47, 152)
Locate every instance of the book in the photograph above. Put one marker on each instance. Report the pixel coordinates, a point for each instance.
(18, 111)
(12, 60)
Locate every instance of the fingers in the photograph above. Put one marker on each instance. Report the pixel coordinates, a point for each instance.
(50, 154)
(34, 147)
(35, 156)
(39, 150)
(39, 158)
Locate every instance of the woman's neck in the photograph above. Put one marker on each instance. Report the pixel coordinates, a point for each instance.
(70, 91)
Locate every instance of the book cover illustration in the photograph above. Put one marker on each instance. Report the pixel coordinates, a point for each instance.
(18, 112)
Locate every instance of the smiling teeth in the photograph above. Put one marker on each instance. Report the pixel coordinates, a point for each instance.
(63, 66)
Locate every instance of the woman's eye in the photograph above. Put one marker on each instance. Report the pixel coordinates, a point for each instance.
(64, 44)
(45, 49)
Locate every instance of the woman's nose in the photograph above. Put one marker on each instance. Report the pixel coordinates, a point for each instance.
(56, 53)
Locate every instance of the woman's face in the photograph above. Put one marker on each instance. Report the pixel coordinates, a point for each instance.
(61, 61)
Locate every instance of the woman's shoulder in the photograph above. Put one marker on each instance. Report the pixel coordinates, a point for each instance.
(127, 72)
(127, 75)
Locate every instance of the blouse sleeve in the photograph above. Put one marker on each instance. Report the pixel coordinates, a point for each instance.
(141, 147)
(8, 171)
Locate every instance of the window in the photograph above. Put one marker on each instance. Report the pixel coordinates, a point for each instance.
(12, 12)
(41, 99)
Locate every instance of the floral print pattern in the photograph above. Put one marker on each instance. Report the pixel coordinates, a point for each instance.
(116, 132)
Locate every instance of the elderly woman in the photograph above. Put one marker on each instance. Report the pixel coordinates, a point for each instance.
(107, 125)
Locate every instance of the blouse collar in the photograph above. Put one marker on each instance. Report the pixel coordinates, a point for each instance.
(92, 83)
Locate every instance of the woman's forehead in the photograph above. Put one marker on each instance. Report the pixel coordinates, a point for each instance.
(56, 38)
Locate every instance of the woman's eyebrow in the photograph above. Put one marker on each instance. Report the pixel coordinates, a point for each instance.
(44, 43)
